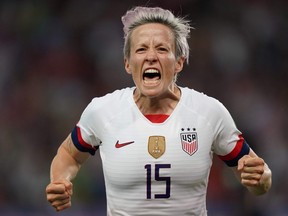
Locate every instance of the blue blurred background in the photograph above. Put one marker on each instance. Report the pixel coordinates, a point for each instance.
(55, 56)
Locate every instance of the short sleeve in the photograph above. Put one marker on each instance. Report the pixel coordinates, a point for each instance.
(80, 143)
(241, 148)
(229, 143)
(84, 134)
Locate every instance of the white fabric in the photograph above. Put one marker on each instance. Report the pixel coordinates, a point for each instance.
(115, 117)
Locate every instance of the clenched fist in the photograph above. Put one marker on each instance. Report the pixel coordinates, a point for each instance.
(59, 194)
(252, 169)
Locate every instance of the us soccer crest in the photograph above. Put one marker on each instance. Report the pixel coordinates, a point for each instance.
(156, 146)
(189, 142)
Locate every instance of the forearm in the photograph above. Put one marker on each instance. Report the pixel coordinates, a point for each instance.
(67, 161)
(63, 166)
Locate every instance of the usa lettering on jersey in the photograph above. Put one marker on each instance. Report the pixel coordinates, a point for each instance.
(189, 142)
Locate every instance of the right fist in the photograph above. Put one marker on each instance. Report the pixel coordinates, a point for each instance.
(59, 194)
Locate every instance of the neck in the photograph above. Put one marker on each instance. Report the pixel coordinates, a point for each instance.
(164, 104)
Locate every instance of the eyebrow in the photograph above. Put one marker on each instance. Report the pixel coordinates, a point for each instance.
(161, 43)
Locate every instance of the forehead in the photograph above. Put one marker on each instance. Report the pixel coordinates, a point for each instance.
(152, 31)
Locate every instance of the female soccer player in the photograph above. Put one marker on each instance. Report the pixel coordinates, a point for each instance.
(157, 139)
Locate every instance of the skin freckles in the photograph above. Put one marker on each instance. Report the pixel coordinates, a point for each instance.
(150, 58)
(154, 48)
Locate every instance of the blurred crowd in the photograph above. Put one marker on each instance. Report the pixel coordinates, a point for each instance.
(55, 56)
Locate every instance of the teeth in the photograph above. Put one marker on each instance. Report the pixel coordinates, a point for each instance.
(151, 75)
(151, 71)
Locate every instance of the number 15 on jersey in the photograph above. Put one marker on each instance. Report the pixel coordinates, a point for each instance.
(166, 180)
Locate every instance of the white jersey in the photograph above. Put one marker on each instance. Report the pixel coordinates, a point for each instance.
(158, 168)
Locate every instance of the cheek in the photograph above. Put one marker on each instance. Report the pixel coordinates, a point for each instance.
(135, 68)
(170, 66)
(170, 60)
(134, 71)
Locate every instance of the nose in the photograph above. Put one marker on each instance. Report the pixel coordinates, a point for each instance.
(151, 56)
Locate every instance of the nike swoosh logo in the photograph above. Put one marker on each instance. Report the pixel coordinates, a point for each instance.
(120, 145)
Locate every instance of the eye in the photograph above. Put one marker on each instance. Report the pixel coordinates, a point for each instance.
(140, 50)
(162, 49)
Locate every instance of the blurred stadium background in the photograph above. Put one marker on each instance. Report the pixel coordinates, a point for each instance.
(55, 56)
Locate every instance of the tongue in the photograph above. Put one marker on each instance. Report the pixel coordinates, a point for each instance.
(151, 81)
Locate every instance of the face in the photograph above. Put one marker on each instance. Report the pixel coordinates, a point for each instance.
(152, 60)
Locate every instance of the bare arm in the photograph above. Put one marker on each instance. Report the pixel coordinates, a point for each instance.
(67, 161)
(254, 173)
(64, 168)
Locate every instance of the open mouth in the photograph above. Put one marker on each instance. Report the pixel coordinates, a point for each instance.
(151, 76)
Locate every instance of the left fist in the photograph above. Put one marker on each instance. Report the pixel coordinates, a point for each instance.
(251, 170)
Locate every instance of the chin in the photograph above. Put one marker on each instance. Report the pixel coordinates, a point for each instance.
(151, 92)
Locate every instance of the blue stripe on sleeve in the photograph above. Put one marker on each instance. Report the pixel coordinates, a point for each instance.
(80, 143)
(244, 151)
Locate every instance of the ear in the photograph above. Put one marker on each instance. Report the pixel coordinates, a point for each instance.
(127, 66)
(179, 64)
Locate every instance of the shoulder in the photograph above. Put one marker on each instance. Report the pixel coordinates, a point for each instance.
(205, 107)
(109, 104)
(116, 97)
(201, 102)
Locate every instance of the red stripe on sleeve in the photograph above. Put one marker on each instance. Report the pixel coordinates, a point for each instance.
(81, 141)
(234, 153)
